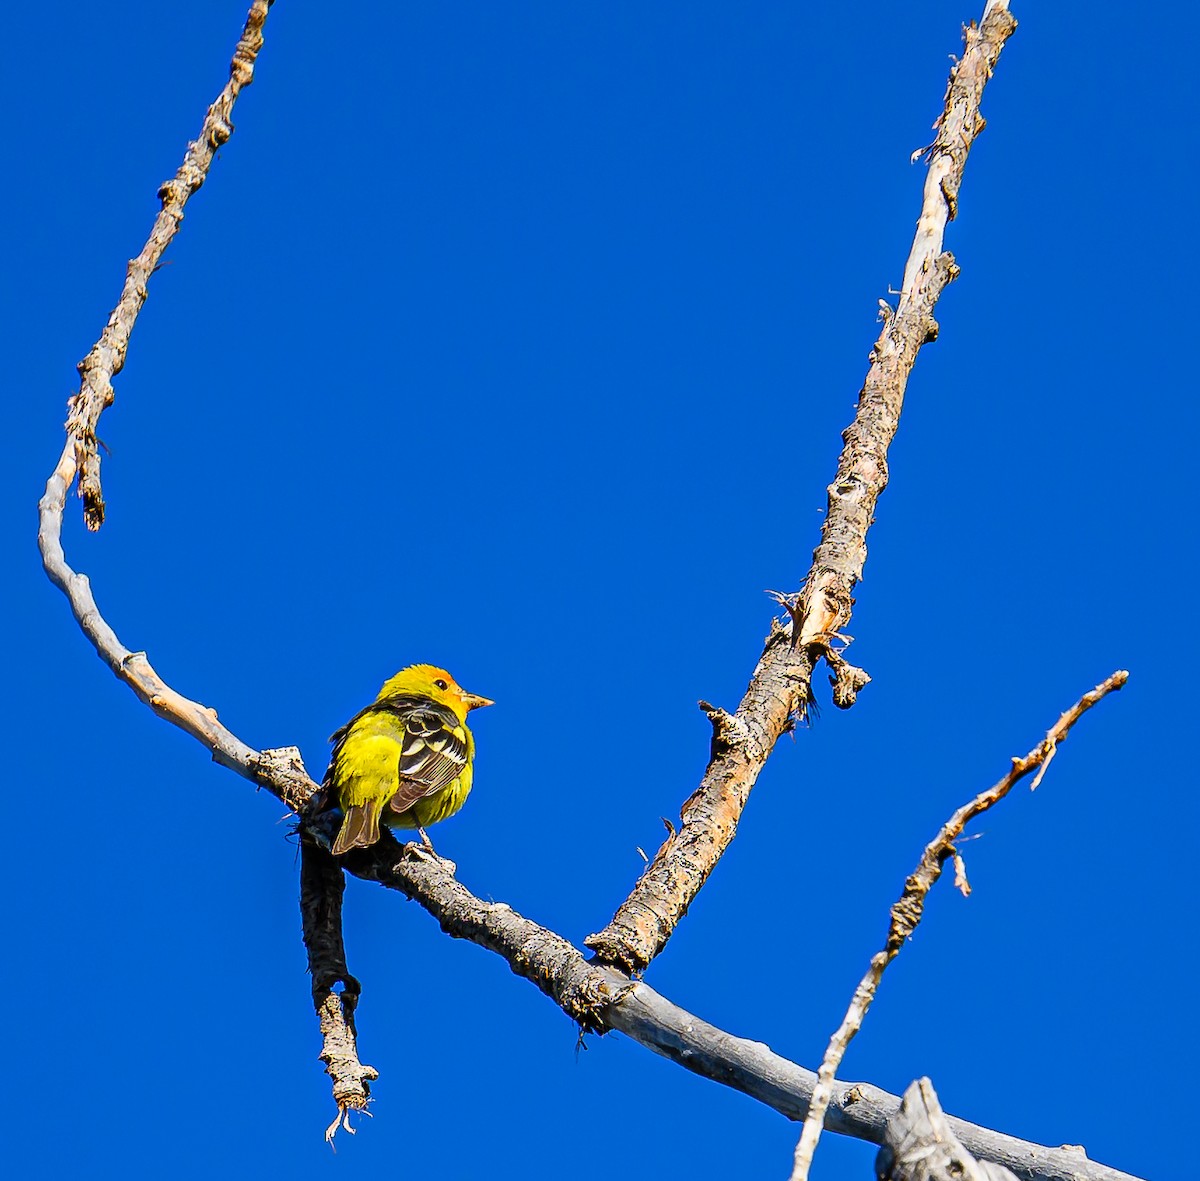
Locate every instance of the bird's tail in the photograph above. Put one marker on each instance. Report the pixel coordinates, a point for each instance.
(359, 829)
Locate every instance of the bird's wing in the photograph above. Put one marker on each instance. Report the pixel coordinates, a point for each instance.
(433, 751)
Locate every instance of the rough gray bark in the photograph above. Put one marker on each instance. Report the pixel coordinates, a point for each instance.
(858, 1109)
(920, 1146)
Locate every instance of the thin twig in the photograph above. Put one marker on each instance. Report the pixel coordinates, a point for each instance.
(781, 686)
(107, 356)
(907, 911)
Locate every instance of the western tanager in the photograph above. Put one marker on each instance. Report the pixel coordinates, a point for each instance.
(405, 759)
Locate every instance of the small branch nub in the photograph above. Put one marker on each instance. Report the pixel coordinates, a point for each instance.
(729, 731)
(846, 679)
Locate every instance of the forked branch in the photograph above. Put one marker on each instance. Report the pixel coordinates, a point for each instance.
(596, 996)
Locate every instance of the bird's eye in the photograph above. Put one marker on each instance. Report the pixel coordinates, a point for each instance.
(440, 684)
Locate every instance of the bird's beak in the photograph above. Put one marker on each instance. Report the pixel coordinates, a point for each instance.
(473, 701)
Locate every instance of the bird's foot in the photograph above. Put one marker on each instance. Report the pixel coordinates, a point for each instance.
(426, 852)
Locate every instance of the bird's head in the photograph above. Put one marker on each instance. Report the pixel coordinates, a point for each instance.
(427, 680)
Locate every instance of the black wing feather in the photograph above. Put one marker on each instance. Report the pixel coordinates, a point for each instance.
(433, 750)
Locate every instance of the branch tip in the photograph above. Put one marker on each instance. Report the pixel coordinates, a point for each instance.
(906, 913)
(107, 357)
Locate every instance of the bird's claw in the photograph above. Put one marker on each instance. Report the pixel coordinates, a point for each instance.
(424, 851)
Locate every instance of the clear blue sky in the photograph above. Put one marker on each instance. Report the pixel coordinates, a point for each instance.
(519, 338)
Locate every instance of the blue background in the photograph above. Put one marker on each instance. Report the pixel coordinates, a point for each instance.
(519, 338)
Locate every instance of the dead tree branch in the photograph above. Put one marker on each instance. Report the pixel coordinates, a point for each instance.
(907, 911)
(107, 356)
(602, 998)
(593, 994)
(81, 458)
(597, 997)
(921, 1147)
(781, 685)
(322, 885)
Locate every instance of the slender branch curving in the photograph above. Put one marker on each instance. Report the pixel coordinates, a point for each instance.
(907, 911)
(81, 457)
(781, 686)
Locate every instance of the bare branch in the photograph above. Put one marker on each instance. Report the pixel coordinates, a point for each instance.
(80, 454)
(601, 998)
(781, 686)
(641, 927)
(580, 989)
(921, 1147)
(907, 911)
(107, 356)
(321, 887)
(859, 1110)
(862, 470)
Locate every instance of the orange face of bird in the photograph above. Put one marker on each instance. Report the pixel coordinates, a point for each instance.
(427, 680)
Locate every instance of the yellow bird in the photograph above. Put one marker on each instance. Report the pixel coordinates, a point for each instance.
(406, 759)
